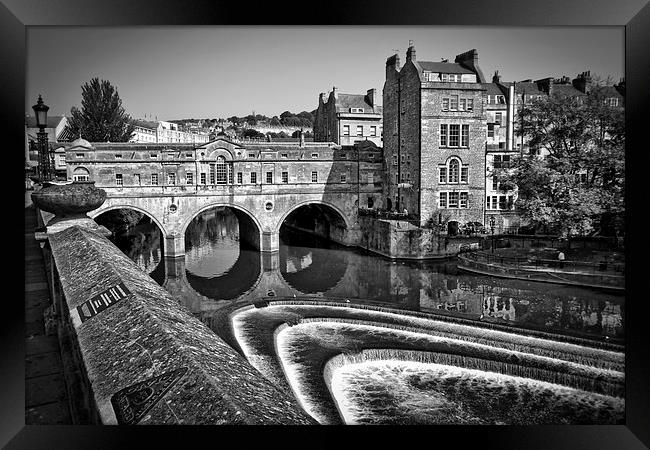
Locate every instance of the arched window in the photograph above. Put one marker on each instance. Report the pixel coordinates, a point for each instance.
(80, 174)
(454, 170)
(222, 170)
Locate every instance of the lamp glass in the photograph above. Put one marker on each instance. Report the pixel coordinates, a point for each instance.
(40, 109)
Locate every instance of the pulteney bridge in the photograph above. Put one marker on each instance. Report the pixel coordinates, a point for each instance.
(318, 186)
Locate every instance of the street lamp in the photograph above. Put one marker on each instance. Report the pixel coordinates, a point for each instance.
(44, 163)
(492, 228)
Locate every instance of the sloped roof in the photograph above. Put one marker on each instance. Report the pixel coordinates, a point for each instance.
(493, 89)
(52, 121)
(145, 124)
(443, 67)
(610, 91)
(346, 101)
(566, 90)
(528, 88)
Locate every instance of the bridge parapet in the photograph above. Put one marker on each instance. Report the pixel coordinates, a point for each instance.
(149, 361)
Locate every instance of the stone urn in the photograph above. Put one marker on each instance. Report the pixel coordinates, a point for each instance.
(69, 202)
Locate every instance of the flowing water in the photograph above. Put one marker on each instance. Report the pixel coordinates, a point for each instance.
(401, 342)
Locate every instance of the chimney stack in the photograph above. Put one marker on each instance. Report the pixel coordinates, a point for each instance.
(496, 78)
(372, 97)
(410, 53)
(335, 90)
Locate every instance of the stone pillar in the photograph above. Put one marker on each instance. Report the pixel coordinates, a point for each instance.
(174, 245)
(270, 241)
(270, 261)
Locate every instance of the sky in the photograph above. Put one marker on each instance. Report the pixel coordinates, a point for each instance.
(169, 73)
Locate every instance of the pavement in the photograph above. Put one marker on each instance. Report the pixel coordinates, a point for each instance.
(46, 396)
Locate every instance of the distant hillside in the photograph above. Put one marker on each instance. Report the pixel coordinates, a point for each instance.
(286, 119)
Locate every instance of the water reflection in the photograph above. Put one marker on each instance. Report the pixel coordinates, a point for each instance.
(219, 269)
(142, 243)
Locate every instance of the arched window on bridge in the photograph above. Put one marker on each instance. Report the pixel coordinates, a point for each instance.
(81, 174)
(222, 170)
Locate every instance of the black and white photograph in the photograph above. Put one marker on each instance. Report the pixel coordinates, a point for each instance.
(328, 224)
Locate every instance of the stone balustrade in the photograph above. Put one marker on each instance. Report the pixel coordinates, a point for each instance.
(146, 358)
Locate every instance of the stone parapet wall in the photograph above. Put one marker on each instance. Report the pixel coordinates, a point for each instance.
(147, 359)
(408, 241)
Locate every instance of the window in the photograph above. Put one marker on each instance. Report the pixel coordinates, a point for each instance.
(251, 155)
(613, 101)
(502, 202)
(344, 156)
(254, 177)
(153, 155)
(463, 199)
(505, 161)
(240, 178)
(464, 138)
(269, 177)
(454, 166)
(221, 170)
(453, 199)
(212, 173)
(442, 175)
(359, 130)
(314, 177)
(373, 131)
(464, 171)
(118, 156)
(467, 104)
(453, 103)
(188, 155)
(443, 135)
(171, 178)
(454, 135)
(356, 110)
(490, 130)
(451, 77)
(445, 104)
(487, 202)
(408, 176)
(510, 204)
(284, 155)
(285, 177)
(344, 178)
(371, 202)
(501, 100)
(498, 118)
(154, 179)
(314, 155)
(394, 160)
(79, 155)
(203, 178)
(81, 174)
(495, 183)
(138, 180)
(371, 156)
(119, 180)
(189, 177)
(497, 162)
(443, 200)
(346, 130)
(371, 178)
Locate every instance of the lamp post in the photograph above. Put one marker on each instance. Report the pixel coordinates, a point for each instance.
(44, 163)
(492, 228)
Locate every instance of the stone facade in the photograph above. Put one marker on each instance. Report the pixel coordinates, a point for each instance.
(263, 182)
(348, 118)
(435, 114)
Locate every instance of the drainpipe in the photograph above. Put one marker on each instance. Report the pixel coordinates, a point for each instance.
(510, 118)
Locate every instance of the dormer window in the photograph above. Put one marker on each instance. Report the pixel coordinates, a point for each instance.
(356, 110)
(251, 155)
(451, 77)
(118, 156)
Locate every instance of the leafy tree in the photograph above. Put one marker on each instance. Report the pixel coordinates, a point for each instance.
(275, 122)
(252, 134)
(101, 117)
(577, 185)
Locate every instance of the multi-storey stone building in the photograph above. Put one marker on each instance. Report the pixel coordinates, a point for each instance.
(348, 118)
(161, 131)
(434, 138)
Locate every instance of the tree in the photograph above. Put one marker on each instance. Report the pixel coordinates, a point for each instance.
(252, 134)
(101, 117)
(577, 186)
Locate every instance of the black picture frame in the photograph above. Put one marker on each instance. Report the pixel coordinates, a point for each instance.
(634, 15)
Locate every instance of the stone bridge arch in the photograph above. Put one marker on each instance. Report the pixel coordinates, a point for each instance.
(252, 231)
(109, 206)
(339, 235)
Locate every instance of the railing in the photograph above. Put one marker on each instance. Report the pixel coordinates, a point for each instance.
(600, 267)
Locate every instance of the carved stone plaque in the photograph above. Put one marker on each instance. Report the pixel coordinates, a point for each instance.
(133, 402)
(100, 302)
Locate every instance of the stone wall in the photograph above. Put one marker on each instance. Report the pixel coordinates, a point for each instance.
(147, 359)
(408, 241)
